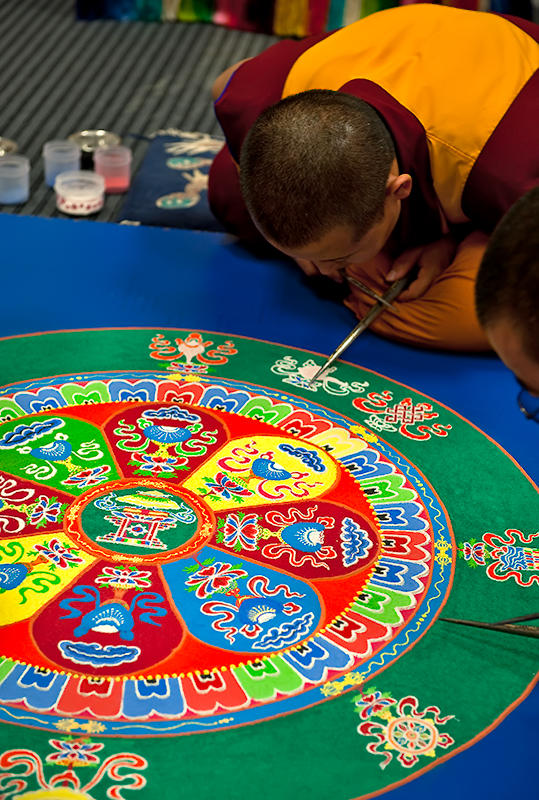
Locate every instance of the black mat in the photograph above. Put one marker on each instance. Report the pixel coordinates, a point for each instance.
(59, 75)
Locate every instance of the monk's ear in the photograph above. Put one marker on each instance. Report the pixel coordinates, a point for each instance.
(399, 186)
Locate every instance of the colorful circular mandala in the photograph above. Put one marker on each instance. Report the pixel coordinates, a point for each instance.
(184, 549)
(206, 539)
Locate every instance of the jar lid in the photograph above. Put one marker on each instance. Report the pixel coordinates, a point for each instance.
(113, 156)
(90, 140)
(61, 148)
(79, 184)
(7, 147)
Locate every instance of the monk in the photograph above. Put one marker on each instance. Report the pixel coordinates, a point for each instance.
(507, 296)
(397, 142)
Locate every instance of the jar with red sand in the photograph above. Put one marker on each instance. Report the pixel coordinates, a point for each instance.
(114, 164)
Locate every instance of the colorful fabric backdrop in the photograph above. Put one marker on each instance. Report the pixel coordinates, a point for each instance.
(281, 17)
(196, 540)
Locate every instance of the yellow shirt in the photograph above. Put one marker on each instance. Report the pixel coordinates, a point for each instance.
(443, 65)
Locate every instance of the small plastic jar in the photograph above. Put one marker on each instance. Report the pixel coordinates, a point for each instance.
(79, 193)
(60, 156)
(14, 179)
(114, 164)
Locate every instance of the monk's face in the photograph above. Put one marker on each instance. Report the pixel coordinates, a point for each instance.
(339, 246)
(506, 340)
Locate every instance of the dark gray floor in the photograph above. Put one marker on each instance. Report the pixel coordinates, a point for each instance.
(59, 75)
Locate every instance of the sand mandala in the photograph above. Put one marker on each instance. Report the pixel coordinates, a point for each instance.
(195, 538)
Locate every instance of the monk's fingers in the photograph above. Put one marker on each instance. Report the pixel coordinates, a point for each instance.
(427, 274)
(403, 264)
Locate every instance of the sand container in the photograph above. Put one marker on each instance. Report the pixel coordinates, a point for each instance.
(60, 156)
(14, 179)
(114, 164)
(79, 193)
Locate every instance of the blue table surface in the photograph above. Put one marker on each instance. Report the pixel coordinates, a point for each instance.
(62, 274)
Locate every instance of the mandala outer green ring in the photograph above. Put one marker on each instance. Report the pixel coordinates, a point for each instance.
(467, 716)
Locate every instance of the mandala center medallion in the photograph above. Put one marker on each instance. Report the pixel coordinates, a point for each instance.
(137, 519)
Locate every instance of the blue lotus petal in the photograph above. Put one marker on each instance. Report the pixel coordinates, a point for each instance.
(11, 575)
(166, 433)
(305, 536)
(55, 451)
(269, 470)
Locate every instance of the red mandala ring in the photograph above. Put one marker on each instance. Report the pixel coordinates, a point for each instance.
(264, 561)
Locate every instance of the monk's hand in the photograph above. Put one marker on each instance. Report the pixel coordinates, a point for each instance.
(432, 259)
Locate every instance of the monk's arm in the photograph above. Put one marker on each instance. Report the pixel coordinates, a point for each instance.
(221, 81)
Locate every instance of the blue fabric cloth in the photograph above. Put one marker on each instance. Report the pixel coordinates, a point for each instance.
(170, 187)
(205, 282)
